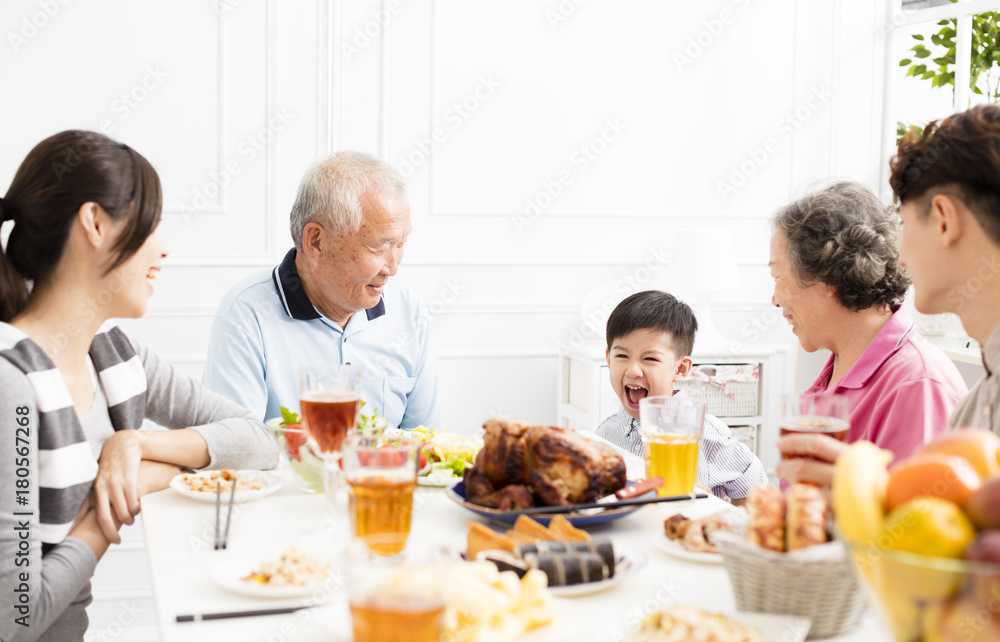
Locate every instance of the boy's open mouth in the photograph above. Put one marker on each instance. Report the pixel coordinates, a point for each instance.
(633, 394)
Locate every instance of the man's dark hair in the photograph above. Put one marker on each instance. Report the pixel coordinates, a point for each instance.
(959, 156)
(655, 310)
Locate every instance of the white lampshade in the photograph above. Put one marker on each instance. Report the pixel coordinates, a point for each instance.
(704, 260)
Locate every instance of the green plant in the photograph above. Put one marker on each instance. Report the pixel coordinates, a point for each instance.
(985, 70)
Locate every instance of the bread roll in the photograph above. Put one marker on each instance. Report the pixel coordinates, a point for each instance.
(805, 516)
(767, 520)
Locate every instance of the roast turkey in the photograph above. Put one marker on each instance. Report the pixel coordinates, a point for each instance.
(545, 465)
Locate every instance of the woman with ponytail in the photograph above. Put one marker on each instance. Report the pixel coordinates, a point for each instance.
(84, 246)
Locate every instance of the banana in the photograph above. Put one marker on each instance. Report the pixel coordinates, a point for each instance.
(859, 480)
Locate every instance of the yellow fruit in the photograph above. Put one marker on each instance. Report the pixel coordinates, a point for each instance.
(929, 526)
(859, 479)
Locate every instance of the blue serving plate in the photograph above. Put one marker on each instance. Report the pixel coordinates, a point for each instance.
(457, 494)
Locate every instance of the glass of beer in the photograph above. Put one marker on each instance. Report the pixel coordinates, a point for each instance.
(671, 430)
(381, 475)
(399, 597)
(329, 402)
(816, 413)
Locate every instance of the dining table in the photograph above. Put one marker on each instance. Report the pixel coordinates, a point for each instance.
(184, 566)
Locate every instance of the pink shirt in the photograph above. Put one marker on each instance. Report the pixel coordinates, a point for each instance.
(902, 389)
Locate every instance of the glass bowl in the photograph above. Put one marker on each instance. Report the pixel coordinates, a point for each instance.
(923, 598)
(297, 455)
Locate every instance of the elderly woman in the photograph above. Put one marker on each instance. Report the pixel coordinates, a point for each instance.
(839, 283)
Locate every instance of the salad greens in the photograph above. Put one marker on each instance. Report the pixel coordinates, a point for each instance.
(288, 416)
(366, 422)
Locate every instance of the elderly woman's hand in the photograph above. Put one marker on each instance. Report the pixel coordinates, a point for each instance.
(822, 448)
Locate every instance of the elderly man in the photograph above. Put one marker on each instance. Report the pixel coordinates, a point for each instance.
(948, 185)
(331, 301)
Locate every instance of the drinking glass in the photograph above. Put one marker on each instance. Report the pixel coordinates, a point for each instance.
(329, 402)
(399, 597)
(381, 475)
(816, 413)
(671, 432)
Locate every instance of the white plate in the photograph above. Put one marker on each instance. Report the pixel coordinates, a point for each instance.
(775, 628)
(436, 481)
(228, 575)
(674, 548)
(272, 479)
(628, 561)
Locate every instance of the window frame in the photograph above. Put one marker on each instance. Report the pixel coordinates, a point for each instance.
(898, 19)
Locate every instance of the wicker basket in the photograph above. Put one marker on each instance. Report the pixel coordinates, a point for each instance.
(736, 399)
(823, 590)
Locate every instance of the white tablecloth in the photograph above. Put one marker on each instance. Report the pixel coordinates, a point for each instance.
(179, 536)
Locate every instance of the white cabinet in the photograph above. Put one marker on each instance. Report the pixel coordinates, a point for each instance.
(586, 397)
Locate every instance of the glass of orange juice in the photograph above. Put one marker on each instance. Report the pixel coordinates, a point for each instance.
(381, 473)
(671, 431)
(399, 597)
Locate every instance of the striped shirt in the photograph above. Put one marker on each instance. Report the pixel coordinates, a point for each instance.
(724, 464)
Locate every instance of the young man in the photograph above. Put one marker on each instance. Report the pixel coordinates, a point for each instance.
(650, 336)
(947, 181)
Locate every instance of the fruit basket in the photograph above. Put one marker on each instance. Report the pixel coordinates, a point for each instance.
(923, 598)
(818, 584)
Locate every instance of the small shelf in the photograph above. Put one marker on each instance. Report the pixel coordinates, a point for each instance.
(958, 348)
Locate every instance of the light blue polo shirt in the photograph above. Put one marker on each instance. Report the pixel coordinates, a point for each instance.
(266, 330)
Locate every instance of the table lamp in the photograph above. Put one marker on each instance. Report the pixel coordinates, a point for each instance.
(703, 263)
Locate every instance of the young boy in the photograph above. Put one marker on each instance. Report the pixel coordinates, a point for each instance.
(650, 337)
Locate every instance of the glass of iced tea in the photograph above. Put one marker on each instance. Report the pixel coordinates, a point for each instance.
(381, 473)
(399, 597)
(671, 431)
(816, 413)
(329, 401)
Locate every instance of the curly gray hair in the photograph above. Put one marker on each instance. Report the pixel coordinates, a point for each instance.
(845, 237)
(333, 188)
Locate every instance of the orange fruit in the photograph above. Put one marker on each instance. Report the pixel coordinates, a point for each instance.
(931, 475)
(979, 447)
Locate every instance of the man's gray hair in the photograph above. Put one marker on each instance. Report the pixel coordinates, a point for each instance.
(845, 237)
(333, 187)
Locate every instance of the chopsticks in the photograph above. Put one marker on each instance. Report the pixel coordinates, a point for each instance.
(220, 542)
(572, 508)
(198, 617)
